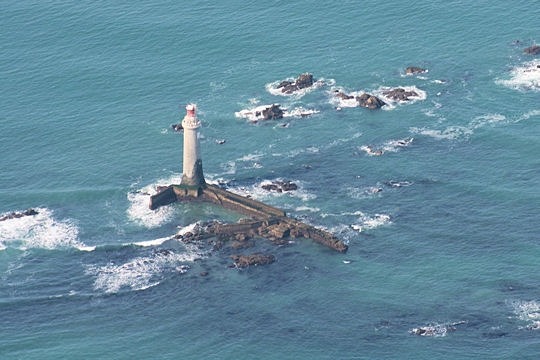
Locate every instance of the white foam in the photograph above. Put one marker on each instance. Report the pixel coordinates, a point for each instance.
(39, 231)
(529, 312)
(367, 222)
(140, 273)
(300, 112)
(139, 211)
(362, 193)
(434, 330)
(487, 120)
(523, 77)
(528, 115)
(307, 208)
(450, 133)
(388, 146)
(456, 132)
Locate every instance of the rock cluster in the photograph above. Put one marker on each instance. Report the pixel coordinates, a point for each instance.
(280, 186)
(399, 94)
(16, 215)
(241, 235)
(303, 81)
(365, 100)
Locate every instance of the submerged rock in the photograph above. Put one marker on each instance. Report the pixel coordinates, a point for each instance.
(413, 70)
(243, 261)
(532, 50)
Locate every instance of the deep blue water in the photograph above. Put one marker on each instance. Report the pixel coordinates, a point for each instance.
(442, 227)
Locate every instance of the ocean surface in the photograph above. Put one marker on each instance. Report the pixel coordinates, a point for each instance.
(437, 197)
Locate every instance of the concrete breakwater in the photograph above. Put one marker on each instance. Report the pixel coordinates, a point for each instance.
(265, 221)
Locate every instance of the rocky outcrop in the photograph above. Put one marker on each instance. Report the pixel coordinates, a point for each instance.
(370, 101)
(532, 50)
(265, 221)
(342, 95)
(399, 94)
(413, 70)
(365, 100)
(303, 81)
(243, 261)
(270, 113)
(280, 186)
(16, 214)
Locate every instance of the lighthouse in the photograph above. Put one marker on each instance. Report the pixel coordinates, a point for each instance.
(192, 174)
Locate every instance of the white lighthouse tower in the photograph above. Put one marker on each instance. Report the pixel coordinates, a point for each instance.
(192, 174)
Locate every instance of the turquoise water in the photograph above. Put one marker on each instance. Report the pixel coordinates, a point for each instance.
(442, 227)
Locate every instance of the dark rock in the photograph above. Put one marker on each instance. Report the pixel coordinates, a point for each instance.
(342, 95)
(370, 101)
(399, 94)
(303, 81)
(532, 50)
(412, 70)
(243, 261)
(16, 215)
(177, 127)
(273, 112)
(280, 186)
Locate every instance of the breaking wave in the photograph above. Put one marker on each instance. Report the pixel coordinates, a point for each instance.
(140, 213)
(369, 222)
(364, 221)
(141, 272)
(39, 231)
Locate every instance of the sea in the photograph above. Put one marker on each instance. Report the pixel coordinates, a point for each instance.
(437, 195)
